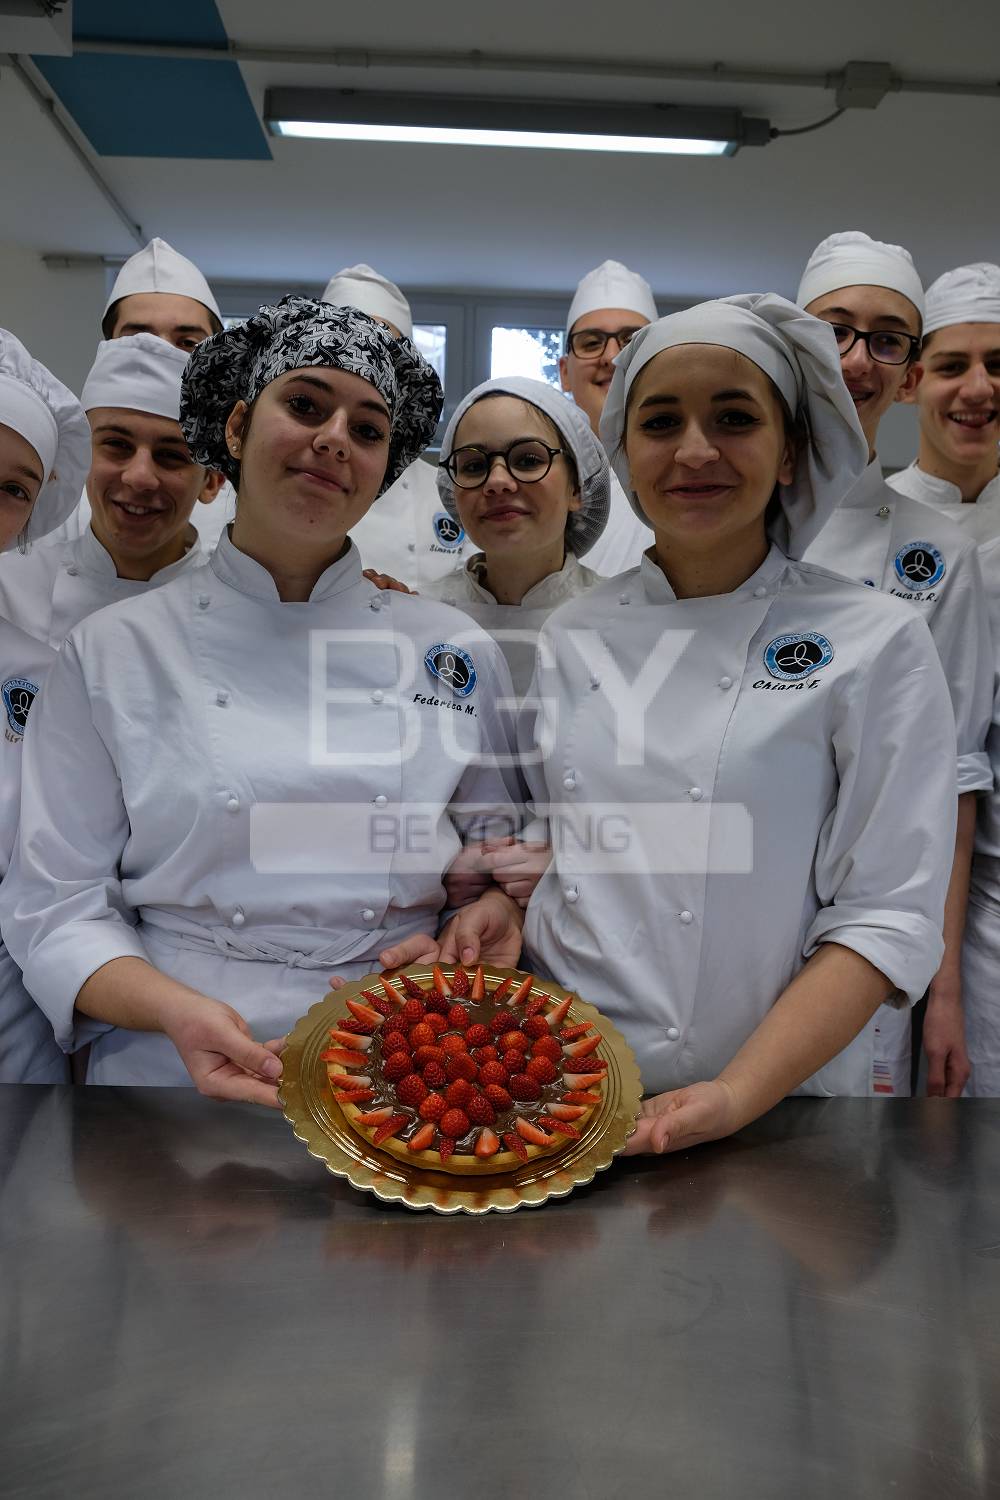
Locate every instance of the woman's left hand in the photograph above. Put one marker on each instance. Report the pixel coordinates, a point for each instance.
(385, 581)
(485, 931)
(685, 1117)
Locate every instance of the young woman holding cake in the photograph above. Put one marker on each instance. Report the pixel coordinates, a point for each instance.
(245, 744)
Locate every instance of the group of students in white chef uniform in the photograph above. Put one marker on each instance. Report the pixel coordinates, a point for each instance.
(709, 654)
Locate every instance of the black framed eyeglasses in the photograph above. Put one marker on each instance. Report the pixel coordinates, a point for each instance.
(590, 343)
(884, 345)
(527, 460)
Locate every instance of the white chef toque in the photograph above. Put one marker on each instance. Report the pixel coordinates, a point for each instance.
(139, 373)
(37, 406)
(611, 285)
(158, 267)
(365, 290)
(852, 258)
(968, 294)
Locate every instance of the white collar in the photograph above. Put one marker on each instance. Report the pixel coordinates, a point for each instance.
(245, 575)
(93, 557)
(945, 490)
(571, 579)
(657, 588)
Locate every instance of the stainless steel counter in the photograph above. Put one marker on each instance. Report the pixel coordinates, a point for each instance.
(190, 1307)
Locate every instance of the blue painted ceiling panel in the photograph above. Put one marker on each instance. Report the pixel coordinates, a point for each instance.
(151, 106)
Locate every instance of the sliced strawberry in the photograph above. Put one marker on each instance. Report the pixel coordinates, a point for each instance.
(421, 1139)
(581, 1080)
(478, 991)
(580, 1096)
(379, 1003)
(558, 1127)
(535, 1006)
(583, 1047)
(346, 1039)
(567, 1111)
(392, 1126)
(445, 1147)
(344, 1058)
(514, 1143)
(488, 1142)
(363, 1012)
(531, 1133)
(440, 983)
(522, 992)
(391, 992)
(410, 987)
(376, 1116)
(503, 989)
(353, 1096)
(355, 1081)
(557, 1016)
(460, 983)
(570, 1033)
(355, 1027)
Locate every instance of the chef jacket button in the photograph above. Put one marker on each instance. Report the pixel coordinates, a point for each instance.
(238, 917)
(883, 512)
(725, 682)
(672, 1034)
(378, 695)
(869, 583)
(760, 593)
(72, 569)
(203, 601)
(595, 683)
(569, 782)
(367, 915)
(695, 793)
(233, 804)
(624, 599)
(381, 800)
(686, 917)
(375, 603)
(572, 894)
(411, 546)
(222, 697)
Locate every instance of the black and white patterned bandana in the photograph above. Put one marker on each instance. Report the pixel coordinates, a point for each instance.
(236, 365)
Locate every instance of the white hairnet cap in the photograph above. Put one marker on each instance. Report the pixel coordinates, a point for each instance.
(612, 285)
(583, 526)
(37, 406)
(365, 290)
(799, 355)
(852, 258)
(158, 267)
(968, 294)
(140, 373)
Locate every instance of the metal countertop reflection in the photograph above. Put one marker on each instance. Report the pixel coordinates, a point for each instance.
(190, 1306)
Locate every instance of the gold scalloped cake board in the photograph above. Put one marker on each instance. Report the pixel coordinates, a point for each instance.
(318, 1122)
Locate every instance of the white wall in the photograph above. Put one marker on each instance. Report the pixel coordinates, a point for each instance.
(55, 313)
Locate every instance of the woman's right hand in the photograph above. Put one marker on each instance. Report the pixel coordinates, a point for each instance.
(516, 867)
(218, 1050)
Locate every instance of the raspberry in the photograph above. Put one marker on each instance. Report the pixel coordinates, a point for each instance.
(484, 1054)
(412, 1012)
(453, 1043)
(454, 1123)
(459, 1093)
(436, 1022)
(480, 1111)
(438, 1003)
(460, 1065)
(498, 1096)
(421, 1035)
(394, 1041)
(397, 1066)
(535, 1026)
(433, 1107)
(413, 1090)
(458, 1017)
(523, 1086)
(542, 1070)
(478, 1035)
(502, 1021)
(493, 1072)
(424, 1055)
(514, 1062)
(547, 1046)
(514, 1041)
(435, 1076)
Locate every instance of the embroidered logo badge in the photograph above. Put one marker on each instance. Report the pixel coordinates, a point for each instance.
(18, 696)
(791, 658)
(449, 533)
(452, 666)
(919, 565)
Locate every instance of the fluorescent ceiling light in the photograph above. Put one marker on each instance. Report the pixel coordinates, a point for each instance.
(547, 140)
(431, 119)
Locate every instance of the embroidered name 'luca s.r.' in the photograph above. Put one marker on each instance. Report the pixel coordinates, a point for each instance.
(452, 666)
(919, 566)
(448, 533)
(792, 658)
(18, 695)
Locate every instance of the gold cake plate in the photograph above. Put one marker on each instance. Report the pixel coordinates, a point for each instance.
(317, 1119)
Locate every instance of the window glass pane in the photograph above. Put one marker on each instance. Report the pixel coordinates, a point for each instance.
(526, 351)
(431, 339)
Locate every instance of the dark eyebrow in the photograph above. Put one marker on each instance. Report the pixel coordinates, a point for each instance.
(27, 473)
(327, 390)
(879, 318)
(171, 441)
(961, 354)
(129, 328)
(112, 427)
(733, 395)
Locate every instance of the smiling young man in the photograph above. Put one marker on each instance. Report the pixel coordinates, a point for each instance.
(872, 296)
(957, 469)
(610, 304)
(143, 486)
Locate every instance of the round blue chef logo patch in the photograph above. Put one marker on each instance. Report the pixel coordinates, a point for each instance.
(448, 531)
(18, 696)
(919, 565)
(452, 666)
(792, 657)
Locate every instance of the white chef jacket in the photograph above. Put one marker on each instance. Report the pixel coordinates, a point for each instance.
(514, 626)
(980, 517)
(623, 541)
(208, 520)
(409, 534)
(28, 1052)
(58, 584)
(219, 742)
(846, 773)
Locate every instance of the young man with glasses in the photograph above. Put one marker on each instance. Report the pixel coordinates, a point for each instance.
(609, 305)
(872, 296)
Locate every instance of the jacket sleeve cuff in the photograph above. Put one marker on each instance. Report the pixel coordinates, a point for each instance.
(60, 966)
(975, 774)
(902, 945)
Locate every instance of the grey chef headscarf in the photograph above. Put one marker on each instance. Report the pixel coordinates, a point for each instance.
(799, 354)
(39, 408)
(298, 333)
(583, 526)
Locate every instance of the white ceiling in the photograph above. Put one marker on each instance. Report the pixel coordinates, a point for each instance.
(919, 170)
